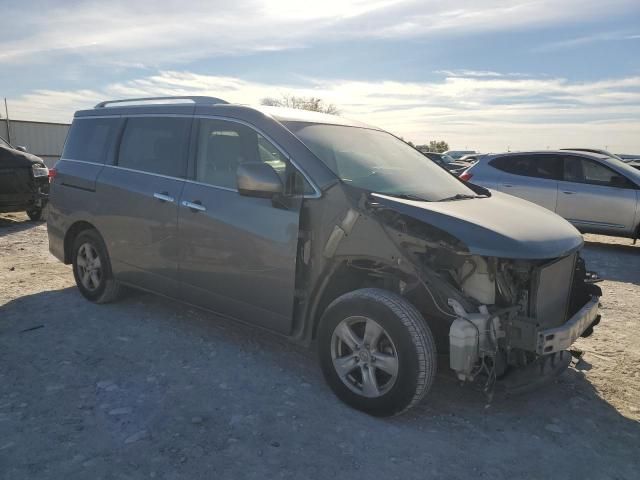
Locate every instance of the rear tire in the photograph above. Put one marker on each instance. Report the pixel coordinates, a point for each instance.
(35, 214)
(92, 268)
(376, 351)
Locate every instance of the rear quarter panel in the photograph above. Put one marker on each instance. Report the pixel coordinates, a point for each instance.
(485, 175)
(72, 198)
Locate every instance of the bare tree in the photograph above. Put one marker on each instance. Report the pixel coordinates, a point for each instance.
(437, 146)
(314, 104)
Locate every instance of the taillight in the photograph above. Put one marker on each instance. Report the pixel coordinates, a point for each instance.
(52, 174)
(466, 176)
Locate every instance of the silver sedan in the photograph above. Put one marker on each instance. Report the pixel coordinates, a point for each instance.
(596, 193)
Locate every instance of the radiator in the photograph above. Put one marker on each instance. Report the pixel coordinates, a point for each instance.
(550, 290)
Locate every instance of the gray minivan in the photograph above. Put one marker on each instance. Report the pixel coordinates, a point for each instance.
(320, 229)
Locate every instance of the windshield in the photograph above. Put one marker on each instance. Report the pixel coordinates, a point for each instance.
(379, 162)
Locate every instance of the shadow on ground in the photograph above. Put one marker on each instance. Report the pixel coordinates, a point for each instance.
(148, 387)
(12, 224)
(613, 261)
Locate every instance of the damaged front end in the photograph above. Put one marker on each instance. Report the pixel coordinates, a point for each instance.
(24, 182)
(509, 318)
(539, 309)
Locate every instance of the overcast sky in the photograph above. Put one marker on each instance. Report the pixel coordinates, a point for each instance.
(480, 74)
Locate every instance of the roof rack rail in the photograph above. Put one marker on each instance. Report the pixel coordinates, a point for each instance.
(198, 100)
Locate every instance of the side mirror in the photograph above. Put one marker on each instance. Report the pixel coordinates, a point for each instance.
(258, 179)
(22, 148)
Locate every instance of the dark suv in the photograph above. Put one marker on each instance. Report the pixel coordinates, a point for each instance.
(24, 181)
(320, 228)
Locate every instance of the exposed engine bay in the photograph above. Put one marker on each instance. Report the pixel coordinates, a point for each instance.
(503, 309)
(519, 302)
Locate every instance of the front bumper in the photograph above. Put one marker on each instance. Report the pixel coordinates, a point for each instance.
(553, 340)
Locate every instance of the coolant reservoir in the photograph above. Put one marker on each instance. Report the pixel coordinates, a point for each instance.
(463, 347)
(478, 283)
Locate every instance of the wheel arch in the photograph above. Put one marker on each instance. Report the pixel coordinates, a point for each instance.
(345, 276)
(72, 233)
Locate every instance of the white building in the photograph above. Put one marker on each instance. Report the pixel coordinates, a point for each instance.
(43, 139)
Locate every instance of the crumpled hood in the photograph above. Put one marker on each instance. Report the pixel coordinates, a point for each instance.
(500, 226)
(11, 158)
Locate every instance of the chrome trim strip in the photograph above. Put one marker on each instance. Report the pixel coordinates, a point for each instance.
(117, 167)
(596, 224)
(212, 186)
(61, 159)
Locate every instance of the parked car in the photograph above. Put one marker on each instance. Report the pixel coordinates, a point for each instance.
(445, 161)
(595, 192)
(594, 150)
(24, 181)
(471, 158)
(633, 163)
(632, 160)
(626, 157)
(458, 154)
(320, 228)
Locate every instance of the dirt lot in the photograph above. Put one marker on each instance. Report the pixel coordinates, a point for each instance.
(147, 388)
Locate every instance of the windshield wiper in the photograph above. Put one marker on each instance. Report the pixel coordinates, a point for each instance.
(461, 196)
(407, 196)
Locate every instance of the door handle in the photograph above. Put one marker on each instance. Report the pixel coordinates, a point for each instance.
(567, 192)
(194, 206)
(164, 197)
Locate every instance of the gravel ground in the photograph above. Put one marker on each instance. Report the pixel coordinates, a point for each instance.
(148, 388)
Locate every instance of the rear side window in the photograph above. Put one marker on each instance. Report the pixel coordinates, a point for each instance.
(539, 166)
(90, 139)
(155, 145)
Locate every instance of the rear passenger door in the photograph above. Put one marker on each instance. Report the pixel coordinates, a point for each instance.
(238, 252)
(532, 177)
(139, 196)
(595, 198)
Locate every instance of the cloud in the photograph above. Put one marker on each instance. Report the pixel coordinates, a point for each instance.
(489, 113)
(585, 40)
(153, 34)
(471, 73)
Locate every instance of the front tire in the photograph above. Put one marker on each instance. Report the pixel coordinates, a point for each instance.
(34, 214)
(376, 351)
(92, 268)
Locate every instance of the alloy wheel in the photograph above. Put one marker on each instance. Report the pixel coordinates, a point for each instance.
(89, 267)
(364, 356)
